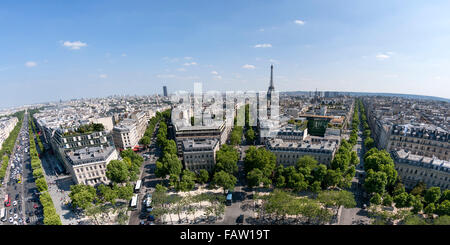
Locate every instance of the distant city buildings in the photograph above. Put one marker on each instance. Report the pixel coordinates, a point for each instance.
(85, 135)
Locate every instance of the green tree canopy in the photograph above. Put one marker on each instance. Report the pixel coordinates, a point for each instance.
(225, 180)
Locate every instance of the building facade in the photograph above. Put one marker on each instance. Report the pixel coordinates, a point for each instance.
(200, 154)
(288, 153)
(413, 169)
(424, 140)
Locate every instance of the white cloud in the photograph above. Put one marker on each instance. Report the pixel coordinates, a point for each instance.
(123, 55)
(103, 76)
(214, 73)
(30, 64)
(264, 45)
(188, 58)
(382, 56)
(190, 64)
(262, 29)
(218, 77)
(247, 66)
(165, 76)
(274, 61)
(74, 45)
(437, 77)
(181, 69)
(299, 22)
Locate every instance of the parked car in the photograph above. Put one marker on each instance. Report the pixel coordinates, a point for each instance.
(240, 219)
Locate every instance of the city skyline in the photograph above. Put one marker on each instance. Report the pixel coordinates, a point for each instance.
(79, 50)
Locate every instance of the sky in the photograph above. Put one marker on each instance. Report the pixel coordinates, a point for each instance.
(52, 50)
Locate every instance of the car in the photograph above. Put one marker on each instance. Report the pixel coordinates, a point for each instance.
(15, 210)
(11, 219)
(151, 218)
(15, 216)
(142, 222)
(20, 220)
(36, 212)
(35, 206)
(27, 220)
(10, 211)
(15, 223)
(240, 219)
(364, 206)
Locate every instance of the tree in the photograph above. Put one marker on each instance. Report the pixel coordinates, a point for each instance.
(135, 158)
(306, 161)
(340, 161)
(38, 173)
(259, 158)
(117, 171)
(387, 200)
(254, 177)
(170, 147)
(187, 182)
(41, 184)
(430, 209)
(203, 176)
(225, 180)
(226, 159)
(82, 196)
(432, 195)
(354, 159)
(108, 194)
(52, 219)
(403, 200)
(319, 173)
(145, 140)
(376, 199)
(369, 143)
(443, 208)
(315, 187)
(250, 136)
(172, 164)
(445, 196)
(124, 192)
(419, 189)
(332, 178)
(416, 203)
(375, 182)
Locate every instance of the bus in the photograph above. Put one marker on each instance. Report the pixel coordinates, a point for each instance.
(3, 214)
(137, 188)
(134, 202)
(7, 201)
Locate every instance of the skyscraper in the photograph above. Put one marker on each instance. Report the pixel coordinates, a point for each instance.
(165, 91)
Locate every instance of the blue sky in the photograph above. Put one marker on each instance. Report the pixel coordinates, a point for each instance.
(51, 50)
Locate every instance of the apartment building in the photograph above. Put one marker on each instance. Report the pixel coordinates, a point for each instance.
(125, 134)
(414, 168)
(288, 152)
(88, 165)
(420, 139)
(200, 154)
(6, 126)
